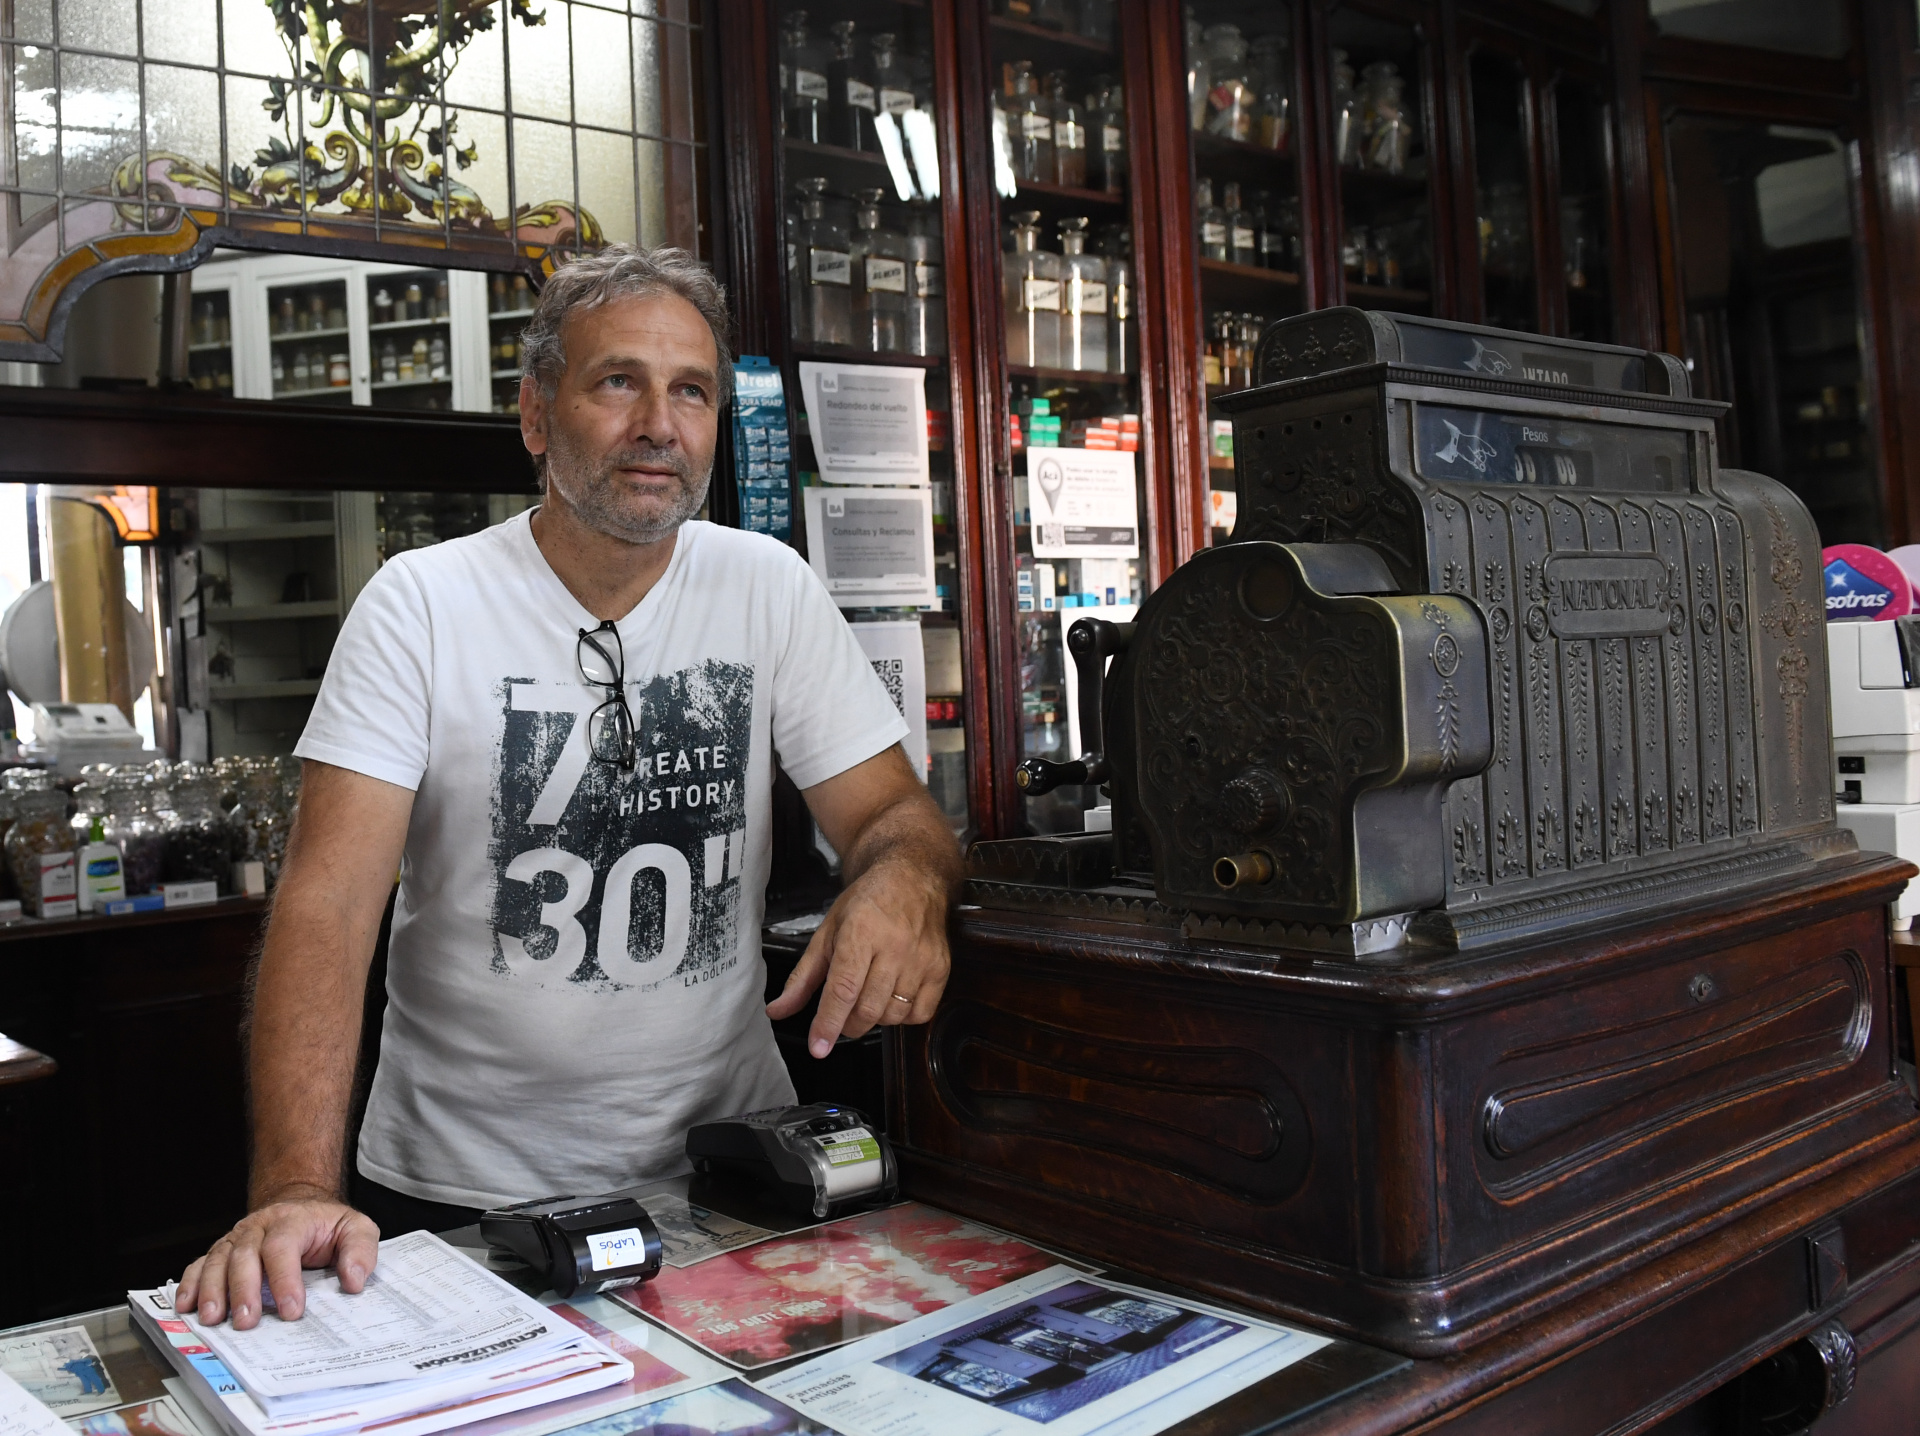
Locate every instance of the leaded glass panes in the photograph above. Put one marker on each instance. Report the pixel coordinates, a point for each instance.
(499, 129)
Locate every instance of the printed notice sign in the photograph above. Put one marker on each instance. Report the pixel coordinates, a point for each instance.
(899, 659)
(869, 422)
(872, 547)
(1083, 503)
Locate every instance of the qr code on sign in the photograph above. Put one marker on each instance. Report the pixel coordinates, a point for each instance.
(892, 672)
(1053, 535)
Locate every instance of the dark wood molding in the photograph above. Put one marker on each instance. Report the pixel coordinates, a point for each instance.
(1167, 294)
(148, 437)
(1890, 204)
(973, 235)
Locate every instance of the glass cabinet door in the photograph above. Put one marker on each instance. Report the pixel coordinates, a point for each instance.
(1503, 193)
(310, 341)
(409, 338)
(1586, 212)
(860, 155)
(1242, 116)
(1063, 163)
(1376, 139)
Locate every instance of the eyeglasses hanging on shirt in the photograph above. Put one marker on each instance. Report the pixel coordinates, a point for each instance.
(610, 735)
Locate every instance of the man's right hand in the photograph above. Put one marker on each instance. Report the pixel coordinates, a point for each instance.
(276, 1242)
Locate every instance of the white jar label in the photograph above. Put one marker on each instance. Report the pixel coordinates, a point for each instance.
(860, 95)
(810, 84)
(896, 102)
(1036, 127)
(1242, 237)
(829, 266)
(887, 274)
(1110, 139)
(926, 278)
(1041, 294)
(1068, 135)
(1213, 234)
(1092, 298)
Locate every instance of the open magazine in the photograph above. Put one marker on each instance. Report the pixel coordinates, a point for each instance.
(435, 1341)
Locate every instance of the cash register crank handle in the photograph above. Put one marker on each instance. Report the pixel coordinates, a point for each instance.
(1092, 641)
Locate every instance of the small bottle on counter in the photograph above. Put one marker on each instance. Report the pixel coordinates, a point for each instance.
(100, 879)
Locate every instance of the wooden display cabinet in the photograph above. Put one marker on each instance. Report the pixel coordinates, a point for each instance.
(1544, 124)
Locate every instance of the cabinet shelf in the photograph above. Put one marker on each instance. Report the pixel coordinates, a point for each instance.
(1382, 183)
(513, 374)
(298, 335)
(1041, 192)
(274, 612)
(277, 688)
(1056, 47)
(1218, 158)
(1386, 295)
(847, 354)
(268, 533)
(440, 323)
(216, 346)
(496, 314)
(384, 384)
(1221, 279)
(1069, 376)
(326, 391)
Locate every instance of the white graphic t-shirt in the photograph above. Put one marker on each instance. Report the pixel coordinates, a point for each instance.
(575, 974)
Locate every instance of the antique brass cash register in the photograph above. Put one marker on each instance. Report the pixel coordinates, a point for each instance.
(1474, 926)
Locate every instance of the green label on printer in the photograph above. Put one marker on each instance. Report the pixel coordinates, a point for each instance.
(854, 1145)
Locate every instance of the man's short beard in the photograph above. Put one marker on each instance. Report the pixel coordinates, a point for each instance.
(595, 493)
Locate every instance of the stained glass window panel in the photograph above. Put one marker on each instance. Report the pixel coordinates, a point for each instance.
(380, 125)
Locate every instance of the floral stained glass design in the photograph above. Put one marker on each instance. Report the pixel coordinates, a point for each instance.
(490, 134)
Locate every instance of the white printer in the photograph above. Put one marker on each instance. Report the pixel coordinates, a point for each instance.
(1874, 669)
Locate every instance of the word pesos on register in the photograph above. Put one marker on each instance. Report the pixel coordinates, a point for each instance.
(1861, 583)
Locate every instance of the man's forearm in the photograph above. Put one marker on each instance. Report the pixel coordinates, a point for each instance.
(303, 1047)
(911, 833)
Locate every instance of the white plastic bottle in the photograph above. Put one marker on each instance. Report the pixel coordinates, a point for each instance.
(101, 877)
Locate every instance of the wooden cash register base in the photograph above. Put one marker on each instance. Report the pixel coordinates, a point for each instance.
(1611, 1172)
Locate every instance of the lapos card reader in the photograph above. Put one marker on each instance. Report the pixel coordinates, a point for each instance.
(818, 1160)
(581, 1244)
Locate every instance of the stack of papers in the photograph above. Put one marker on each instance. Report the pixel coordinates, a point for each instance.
(434, 1341)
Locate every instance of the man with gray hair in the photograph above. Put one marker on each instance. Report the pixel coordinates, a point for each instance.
(562, 733)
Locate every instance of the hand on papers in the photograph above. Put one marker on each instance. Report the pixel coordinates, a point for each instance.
(274, 1243)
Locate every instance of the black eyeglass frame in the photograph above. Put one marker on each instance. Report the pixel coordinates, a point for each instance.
(613, 717)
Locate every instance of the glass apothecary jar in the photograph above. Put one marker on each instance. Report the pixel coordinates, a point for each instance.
(199, 841)
(130, 822)
(263, 818)
(40, 830)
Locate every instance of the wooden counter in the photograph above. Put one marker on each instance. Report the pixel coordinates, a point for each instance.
(133, 1156)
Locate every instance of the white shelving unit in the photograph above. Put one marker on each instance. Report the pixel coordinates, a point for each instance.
(255, 642)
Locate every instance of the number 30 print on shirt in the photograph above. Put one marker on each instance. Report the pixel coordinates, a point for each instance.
(611, 880)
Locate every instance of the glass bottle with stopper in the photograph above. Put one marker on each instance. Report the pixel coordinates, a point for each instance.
(853, 105)
(1032, 281)
(1083, 300)
(825, 270)
(879, 268)
(804, 60)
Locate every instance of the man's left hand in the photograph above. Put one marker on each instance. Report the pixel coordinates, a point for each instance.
(882, 951)
(880, 957)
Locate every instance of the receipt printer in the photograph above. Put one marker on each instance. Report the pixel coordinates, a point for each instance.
(581, 1244)
(817, 1160)
(1874, 670)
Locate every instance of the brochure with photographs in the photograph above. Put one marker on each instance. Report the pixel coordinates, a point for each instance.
(1056, 1351)
(731, 1409)
(60, 1369)
(690, 1233)
(812, 1290)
